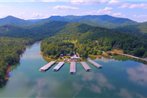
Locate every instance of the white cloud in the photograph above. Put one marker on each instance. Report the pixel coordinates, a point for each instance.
(109, 11)
(88, 1)
(95, 1)
(51, 0)
(71, 1)
(138, 5)
(106, 10)
(63, 7)
(124, 93)
(118, 14)
(114, 1)
(139, 16)
(138, 74)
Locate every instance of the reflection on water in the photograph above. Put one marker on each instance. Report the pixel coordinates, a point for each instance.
(118, 79)
(138, 74)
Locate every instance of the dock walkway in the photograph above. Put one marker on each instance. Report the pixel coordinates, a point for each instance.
(47, 66)
(58, 66)
(94, 63)
(72, 67)
(86, 66)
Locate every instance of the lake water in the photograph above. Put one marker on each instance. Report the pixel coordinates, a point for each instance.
(116, 79)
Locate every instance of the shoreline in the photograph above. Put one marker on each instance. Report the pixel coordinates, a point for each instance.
(134, 57)
(144, 60)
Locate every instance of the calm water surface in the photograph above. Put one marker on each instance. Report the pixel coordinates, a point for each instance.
(116, 79)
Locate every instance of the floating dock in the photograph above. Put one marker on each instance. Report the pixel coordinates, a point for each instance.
(72, 67)
(58, 66)
(47, 66)
(94, 63)
(86, 66)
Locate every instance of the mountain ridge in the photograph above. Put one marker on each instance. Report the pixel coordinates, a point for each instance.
(88, 19)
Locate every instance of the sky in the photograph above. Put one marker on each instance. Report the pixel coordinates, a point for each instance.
(38, 9)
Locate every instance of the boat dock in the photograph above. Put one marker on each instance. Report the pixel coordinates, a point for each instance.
(94, 63)
(72, 67)
(58, 66)
(47, 66)
(86, 66)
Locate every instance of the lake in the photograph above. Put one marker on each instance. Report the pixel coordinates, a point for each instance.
(116, 79)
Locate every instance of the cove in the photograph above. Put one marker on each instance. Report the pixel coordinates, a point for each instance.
(116, 79)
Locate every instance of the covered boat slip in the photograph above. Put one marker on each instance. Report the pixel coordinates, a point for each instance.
(72, 67)
(58, 66)
(94, 63)
(85, 66)
(47, 66)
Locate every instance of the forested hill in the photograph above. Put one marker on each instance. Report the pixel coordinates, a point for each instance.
(35, 32)
(87, 40)
(140, 28)
(106, 21)
(116, 38)
(10, 51)
(94, 20)
(10, 20)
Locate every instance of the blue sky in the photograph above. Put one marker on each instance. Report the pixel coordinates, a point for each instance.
(34, 9)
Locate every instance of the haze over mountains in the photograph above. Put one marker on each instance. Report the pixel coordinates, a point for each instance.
(106, 21)
(94, 20)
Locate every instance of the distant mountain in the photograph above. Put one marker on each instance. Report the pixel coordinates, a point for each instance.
(13, 31)
(143, 27)
(140, 28)
(11, 20)
(54, 24)
(34, 32)
(96, 20)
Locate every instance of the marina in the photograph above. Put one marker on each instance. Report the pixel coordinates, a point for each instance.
(72, 67)
(94, 63)
(47, 66)
(85, 66)
(58, 66)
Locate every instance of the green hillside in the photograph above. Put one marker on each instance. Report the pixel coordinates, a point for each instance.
(96, 20)
(10, 51)
(35, 32)
(93, 20)
(86, 40)
(140, 28)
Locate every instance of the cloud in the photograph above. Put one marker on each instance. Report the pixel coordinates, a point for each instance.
(88, 1)
(49, 0)
(106, 10)
(132, 6)
(118, 14)
(94, 1)
(95, 88)
(138, 74)
(109, 11)
(125, 93)
(32, 56)
(140, 17)
(103, 82)
(63, 7)
(114, 2)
